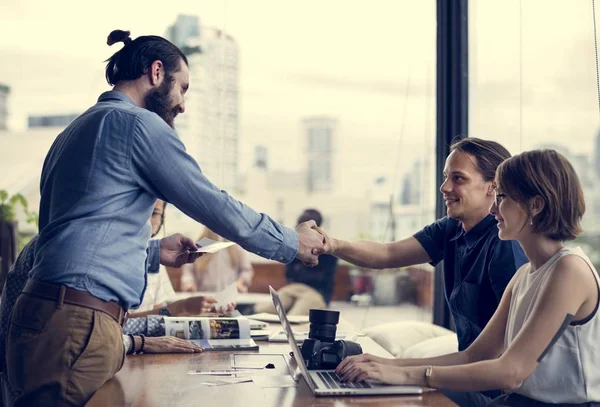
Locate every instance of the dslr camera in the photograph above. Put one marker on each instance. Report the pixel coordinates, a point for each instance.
(321, 350)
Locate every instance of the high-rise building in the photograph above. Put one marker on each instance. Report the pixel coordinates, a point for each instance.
(390, 221)
(261, 157)
(397, 215)
(185, 28)
(210, 126)
(4, 92)
(320, 139)
(412, 185)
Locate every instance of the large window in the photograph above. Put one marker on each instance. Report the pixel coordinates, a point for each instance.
(533, 85)
(275, 86)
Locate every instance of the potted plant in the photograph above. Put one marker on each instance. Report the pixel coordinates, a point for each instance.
(9, 236)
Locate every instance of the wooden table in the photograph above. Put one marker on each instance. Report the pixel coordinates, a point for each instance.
(162, 380)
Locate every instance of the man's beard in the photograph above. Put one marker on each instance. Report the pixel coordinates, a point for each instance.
(160, 102)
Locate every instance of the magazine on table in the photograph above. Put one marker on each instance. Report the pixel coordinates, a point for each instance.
(212, 333)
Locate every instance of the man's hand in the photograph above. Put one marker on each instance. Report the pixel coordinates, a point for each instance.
(170, 344)
(174, 250)
(309, 240)
(329, 244)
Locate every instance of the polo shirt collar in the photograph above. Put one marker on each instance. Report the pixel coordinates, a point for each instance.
(473, 235)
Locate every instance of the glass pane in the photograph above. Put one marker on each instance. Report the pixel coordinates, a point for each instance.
(533, 85)
(326, 105)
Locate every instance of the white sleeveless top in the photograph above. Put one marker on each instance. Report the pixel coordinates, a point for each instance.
(570, 370)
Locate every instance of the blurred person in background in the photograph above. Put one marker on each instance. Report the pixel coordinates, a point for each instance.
(216, 271)
(308, 287)
(159, 294)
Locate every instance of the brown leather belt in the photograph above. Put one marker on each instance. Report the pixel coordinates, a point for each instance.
(63, 294)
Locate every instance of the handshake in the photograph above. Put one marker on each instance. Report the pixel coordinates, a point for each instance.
(177, 250)
(312, 242)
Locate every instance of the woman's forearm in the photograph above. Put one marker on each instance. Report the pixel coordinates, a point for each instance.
(451, 359)
(479, 376)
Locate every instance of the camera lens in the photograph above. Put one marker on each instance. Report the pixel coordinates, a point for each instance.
(323, 324)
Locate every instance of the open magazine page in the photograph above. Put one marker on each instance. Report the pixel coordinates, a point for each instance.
(207, 327)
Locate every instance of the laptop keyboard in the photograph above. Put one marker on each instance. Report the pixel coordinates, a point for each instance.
(332, 381)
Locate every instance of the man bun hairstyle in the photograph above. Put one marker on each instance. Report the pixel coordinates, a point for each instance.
(135, 58)
(119, 36)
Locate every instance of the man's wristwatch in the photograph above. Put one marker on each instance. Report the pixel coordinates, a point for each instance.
(165, 312)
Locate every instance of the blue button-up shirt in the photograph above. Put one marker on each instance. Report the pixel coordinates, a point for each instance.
(478, 266)
(99, 183)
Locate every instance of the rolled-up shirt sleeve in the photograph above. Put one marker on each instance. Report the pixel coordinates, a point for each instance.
(160, 165)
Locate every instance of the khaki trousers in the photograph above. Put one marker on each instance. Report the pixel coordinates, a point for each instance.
(296, 298)
(59, 355)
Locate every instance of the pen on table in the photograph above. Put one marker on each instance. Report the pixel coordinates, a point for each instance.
(268, 366)
(232, 371)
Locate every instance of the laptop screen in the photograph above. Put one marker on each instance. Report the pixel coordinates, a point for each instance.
(290, 335)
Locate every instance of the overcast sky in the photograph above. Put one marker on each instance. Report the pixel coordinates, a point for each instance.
(371, 64)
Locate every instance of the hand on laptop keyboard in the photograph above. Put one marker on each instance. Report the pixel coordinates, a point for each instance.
(333, 381)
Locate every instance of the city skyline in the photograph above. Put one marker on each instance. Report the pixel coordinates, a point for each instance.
(370, 67)
(287, 71)
(210, 130)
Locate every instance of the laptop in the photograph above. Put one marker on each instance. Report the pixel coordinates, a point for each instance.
(326, 382)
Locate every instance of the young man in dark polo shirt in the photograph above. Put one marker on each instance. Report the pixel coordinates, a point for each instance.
(477, 264)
